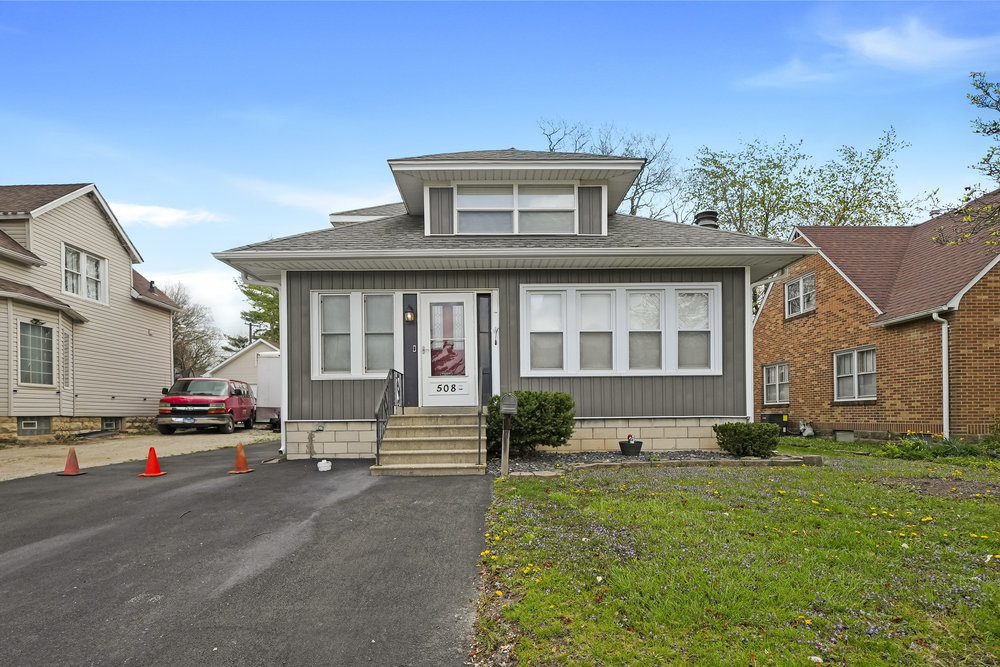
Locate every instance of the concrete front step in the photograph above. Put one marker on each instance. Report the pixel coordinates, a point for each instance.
(431, 442)
(431, 456)
(436, 419)
(429, 469)
(432, 430)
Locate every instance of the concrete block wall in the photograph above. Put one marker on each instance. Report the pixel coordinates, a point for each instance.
(342, 439)
(65, 427)
(657, 434)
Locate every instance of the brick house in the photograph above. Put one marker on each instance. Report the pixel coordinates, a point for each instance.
(884, 331)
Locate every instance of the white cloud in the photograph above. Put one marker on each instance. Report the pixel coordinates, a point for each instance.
(160, 216)
(213, 288)
(793, 73)
(913, 45)
(312, 199)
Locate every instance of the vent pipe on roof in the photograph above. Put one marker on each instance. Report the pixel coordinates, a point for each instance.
(708, 219)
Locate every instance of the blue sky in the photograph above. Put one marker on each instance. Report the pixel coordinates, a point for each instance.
(212, 125)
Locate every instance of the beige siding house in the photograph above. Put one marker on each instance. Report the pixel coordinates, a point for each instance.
(242, 365)
(85, 341)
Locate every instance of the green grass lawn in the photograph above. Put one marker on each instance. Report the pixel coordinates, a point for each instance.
(863, 561)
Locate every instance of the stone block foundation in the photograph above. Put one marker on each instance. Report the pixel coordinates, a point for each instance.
(658, 434)
(330, 440)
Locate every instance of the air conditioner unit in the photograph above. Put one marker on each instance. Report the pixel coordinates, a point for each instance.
(776, 418)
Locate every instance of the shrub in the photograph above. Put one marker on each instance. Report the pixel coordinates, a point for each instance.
(917, 447)
(543, 419)
(747, 439)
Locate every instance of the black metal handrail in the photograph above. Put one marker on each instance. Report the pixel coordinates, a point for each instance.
(392, 397)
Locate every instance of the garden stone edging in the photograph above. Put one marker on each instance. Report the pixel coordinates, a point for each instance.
(746, 461)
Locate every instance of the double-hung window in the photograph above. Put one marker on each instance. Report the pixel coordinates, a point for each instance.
(800, 295)
(516, 209)
(854, 374)
(776, 383)
(637, 329)
(36, 354)
(84, 274)
(355, 334)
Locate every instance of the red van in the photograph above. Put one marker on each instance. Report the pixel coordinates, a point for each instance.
(206, 402)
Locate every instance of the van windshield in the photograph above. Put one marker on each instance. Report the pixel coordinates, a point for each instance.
(199, 388)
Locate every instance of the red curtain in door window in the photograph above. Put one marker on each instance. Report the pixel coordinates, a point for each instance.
(447, 339)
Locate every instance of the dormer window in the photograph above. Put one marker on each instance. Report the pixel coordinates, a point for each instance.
(516, 209)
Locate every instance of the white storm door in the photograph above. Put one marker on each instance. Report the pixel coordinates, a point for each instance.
(448, 357)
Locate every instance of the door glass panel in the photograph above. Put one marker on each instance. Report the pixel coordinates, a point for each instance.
(447, 339)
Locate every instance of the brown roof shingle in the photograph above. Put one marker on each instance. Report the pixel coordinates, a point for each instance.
(148, 291)
(12, 246)
(23, 199)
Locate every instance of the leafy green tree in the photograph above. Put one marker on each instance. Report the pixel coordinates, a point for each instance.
(760, 189)
(859, 187)
(234, 344)
(194, 332)
(262, 315)
(977, 215)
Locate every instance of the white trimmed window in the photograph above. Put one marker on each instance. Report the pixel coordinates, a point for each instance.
(800, 295)
(636, 329)
(547, 208)
(854, 374)
(35, 354)
(84, 275)
(355, 334)
(776, 383)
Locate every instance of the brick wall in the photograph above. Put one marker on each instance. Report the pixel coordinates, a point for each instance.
(975, 358)
(908, 360)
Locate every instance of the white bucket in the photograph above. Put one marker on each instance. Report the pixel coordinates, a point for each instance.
(324, 466)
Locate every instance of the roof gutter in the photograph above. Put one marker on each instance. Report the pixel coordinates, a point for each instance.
(17, 296)
(22, 258)
(945, 379)
(930, 312)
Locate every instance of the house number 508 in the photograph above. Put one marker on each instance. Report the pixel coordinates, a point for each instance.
(447, 388)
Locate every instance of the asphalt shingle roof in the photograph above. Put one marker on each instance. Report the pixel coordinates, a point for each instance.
(384, 210)
(145, 288)
(7, 243)
(514, 154)
(23, 199)
(12, 287)
(903, 269)
(406, 232)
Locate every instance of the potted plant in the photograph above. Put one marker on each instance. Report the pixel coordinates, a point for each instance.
(630, 447)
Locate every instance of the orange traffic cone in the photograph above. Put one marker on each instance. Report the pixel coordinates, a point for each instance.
(152, 465)
(72, 467)
(241, 461)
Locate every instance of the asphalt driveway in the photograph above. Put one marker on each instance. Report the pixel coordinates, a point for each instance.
(282, 566)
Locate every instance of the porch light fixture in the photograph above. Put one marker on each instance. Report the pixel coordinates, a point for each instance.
(409, 316)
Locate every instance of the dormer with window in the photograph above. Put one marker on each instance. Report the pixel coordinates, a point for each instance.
(514, 192)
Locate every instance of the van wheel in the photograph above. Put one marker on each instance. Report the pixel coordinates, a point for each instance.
(229, 426)
(248, 422)
(165, 430)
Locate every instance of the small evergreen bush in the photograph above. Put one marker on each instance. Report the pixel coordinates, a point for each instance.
(543, 419)
(751, 439)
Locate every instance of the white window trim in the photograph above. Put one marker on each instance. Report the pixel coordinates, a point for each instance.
(800, 280)
(854, 372)
(777, 384)
(103, 298)
(55, 355)
(515, 209)
(571, 340)
(357, 333)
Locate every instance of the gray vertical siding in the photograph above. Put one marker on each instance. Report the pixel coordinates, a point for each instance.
(590, 210)
(441, 210)
(671, 396)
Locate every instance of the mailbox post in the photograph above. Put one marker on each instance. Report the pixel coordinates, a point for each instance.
(508, 408)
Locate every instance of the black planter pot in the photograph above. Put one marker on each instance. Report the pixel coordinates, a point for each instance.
(630, 448)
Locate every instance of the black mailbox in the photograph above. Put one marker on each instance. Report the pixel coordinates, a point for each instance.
(508, 404)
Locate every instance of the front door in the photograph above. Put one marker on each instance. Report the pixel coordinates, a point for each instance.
(448, 358)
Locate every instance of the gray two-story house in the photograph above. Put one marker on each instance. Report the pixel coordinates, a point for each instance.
(507, 270)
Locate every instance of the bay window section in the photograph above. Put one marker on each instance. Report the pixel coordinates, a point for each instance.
(645, 336)
(355, 334)
(624, 330)
(596, 314)
(546, 334)
(36, 354)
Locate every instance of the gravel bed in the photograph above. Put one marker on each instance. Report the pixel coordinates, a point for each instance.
(554, 461)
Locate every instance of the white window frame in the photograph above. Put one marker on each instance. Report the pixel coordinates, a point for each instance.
(81, 292)
(20, 357)
(516, 208)
(357, 334)
(776, 368)
(800, 281)
(668, 324)
(854, 374)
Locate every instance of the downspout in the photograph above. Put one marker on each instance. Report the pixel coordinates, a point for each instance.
(945, 383)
